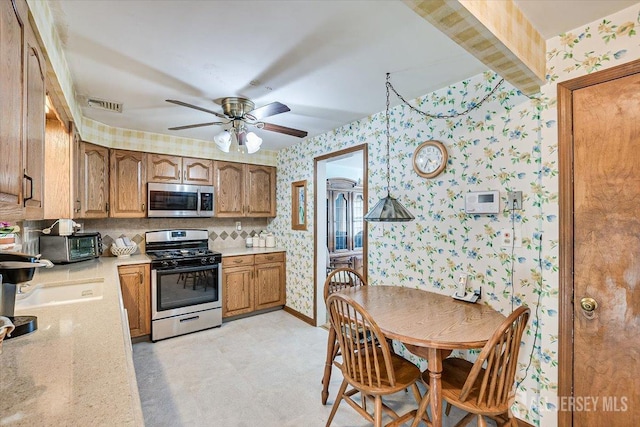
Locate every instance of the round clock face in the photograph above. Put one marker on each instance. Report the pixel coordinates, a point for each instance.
(430, 158)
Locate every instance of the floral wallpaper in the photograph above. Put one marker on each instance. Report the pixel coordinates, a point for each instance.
(508, 144)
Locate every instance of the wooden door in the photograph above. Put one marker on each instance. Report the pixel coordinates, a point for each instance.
(35, 128)
(604, 355)
(237, 290)
(127, 184)
(229, 182)
(269, 285)
(136, 292)
(164, 168)
(260, 193)
(197, 171)
(95, 181)
(11, 112)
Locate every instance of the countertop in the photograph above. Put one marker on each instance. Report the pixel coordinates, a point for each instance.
(76, 368)
(246, 251)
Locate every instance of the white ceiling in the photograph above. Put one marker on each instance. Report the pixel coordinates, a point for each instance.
(326, 60)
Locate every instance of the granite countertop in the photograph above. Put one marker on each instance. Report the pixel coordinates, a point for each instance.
(77, 367)
(247, 251)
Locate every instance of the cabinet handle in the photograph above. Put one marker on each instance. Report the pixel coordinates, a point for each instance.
(28, 178)
(140, 276)
(143, 207)
(237, 261)
(106, 206)
(269, 258)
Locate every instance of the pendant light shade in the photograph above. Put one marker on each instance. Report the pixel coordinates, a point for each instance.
(388, 209)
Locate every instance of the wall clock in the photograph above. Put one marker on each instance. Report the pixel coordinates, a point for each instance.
(430, 159)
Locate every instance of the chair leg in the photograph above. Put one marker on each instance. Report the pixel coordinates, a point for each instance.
(378, 411)
(466, 420)
(421, 409)
(481, 421)
(343, 387)
(332, 347)
(447, 410)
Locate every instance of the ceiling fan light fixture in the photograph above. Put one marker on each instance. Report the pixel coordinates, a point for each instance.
(223, 141)
(253, 142)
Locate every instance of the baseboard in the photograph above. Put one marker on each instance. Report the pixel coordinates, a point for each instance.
(299, 315)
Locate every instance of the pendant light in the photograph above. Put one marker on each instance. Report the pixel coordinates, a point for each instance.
(388, 209)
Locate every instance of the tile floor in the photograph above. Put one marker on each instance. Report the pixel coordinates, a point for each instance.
(262, 371)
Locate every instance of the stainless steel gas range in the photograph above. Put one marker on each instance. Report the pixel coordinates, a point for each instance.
(186, 282)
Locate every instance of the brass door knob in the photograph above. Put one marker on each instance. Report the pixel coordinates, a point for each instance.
(588, 304)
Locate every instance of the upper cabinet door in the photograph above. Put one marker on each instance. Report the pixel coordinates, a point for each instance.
(94, 181)
(11, 109)
(164, 168)
(197, 171)
(260, 191)
(35, 130)
(229, 183)
(127, 184)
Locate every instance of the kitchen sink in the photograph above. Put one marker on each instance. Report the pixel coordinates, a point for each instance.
(44, 295)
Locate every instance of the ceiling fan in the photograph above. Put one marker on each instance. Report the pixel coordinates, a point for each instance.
(241, 113)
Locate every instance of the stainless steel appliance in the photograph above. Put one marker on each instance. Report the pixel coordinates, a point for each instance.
(15, 269)
(186, 282)
(73, 248)
(179, 200)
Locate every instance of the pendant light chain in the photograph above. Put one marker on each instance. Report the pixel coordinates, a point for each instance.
(440, 116)
(388, 135)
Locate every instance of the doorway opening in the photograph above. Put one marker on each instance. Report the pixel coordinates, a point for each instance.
(340, 231)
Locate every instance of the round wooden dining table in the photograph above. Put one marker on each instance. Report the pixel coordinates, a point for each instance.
(430, 325)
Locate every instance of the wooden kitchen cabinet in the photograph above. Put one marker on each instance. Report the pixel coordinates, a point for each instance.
(22, 120)
(136, 295)
(237, 290)
(127, 184)
(269, 280)
(94, 181)
(33, 150)
(252, 282)
(179, 170)
(244, 190)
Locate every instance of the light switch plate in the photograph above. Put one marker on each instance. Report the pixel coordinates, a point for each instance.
(511, 237)
(514, 200)
(238, 226)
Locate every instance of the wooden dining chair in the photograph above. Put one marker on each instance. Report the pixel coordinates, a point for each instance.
(368, 365)
(486, 387)
(337, 279)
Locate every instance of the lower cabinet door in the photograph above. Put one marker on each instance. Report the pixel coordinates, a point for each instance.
(135, 286)
(237, 291)
(269, 284)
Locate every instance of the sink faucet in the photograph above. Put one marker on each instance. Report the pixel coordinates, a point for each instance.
(21, 286)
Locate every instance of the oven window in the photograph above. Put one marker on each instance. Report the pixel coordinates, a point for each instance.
(173, 201)
(184, 289)
(82, 247)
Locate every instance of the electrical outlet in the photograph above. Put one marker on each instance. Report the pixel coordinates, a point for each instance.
(514, 200)
(238, 226)
(511, 237)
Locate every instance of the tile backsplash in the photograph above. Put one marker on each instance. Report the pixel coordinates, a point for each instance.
(222, 231)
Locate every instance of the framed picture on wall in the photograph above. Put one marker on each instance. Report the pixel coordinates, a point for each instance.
(299, 205)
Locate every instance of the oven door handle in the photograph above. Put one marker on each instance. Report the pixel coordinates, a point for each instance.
(187, 269)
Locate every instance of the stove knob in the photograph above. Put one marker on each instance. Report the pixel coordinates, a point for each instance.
(203, 260)
(174, 263)
(164, 264)
(212, 260)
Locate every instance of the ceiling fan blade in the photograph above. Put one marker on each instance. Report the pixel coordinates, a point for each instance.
(268, 110)
(195, 107)
(285, 130)
(196, 126)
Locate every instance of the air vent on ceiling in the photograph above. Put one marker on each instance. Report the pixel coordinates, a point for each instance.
(104, 104)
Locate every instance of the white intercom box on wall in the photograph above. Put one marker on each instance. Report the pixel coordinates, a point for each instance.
(482, 202)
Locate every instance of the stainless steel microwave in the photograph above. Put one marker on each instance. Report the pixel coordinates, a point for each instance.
(179, 200)
(73, 248)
